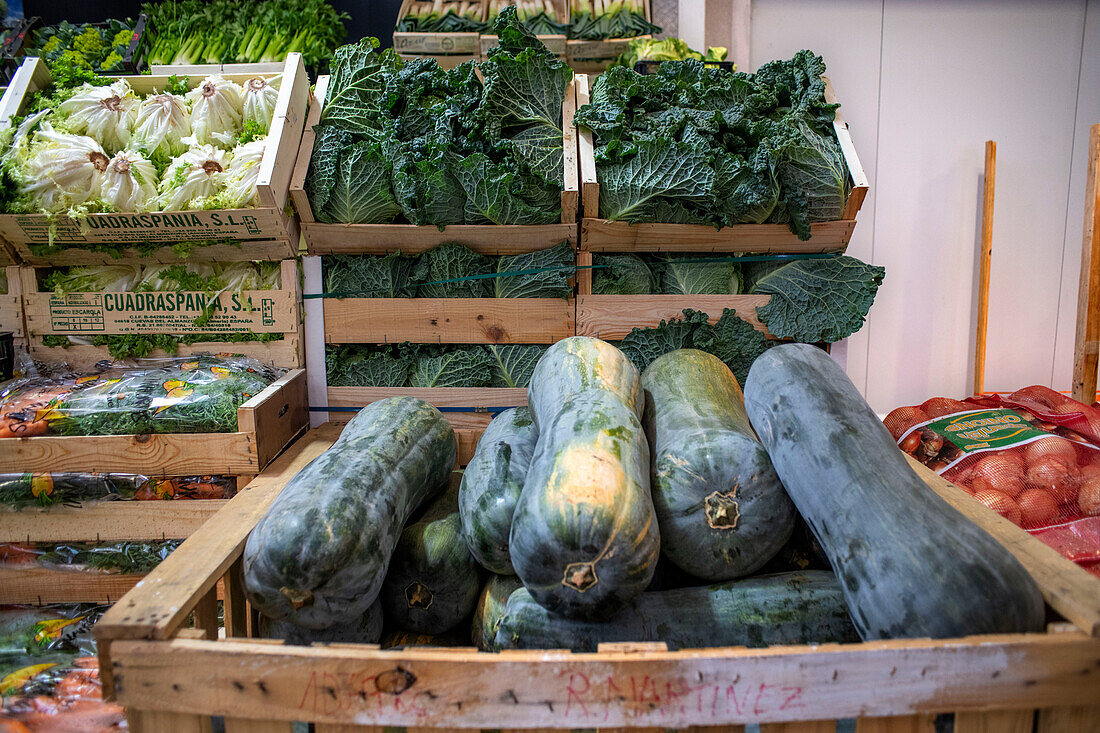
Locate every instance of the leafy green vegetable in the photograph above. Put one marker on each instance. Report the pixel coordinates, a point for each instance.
(513, 364)
(450, 261)
(731, 339)
(352, 365)
(690, 144)
(621, 275)
(467, 145)
(99, 47)
(118, 557)
(557, 264)
(370, 276)
(685, 275)
(666, 49)
(361, 190)
(620, 19)
(818, 300)
(466, 366)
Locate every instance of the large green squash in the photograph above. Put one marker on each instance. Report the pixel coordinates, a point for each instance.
(789, 608)
(722, 511)
(491, 485)
(910, 565)
(364, 630)
(490, 608)
(584, 538)
(318, 556)
(433, 580)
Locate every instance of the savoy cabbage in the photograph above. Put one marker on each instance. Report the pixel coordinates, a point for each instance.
(475, 144)
(690, 144)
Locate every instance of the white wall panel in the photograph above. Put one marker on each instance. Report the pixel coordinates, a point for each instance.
(923, 85)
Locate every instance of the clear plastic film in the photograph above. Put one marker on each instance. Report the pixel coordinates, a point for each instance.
(1032, 456)
(193, 395)
(49, 489)
(116, 558)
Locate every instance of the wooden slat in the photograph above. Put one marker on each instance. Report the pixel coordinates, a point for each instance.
(897, 724)
(276, 416)
(1086, 353)
(154, 721)
(570, 195)
(169, 454)
(611, 317)
(305, 151)
(107, 521)
(271, 249)
(995, 721)
(860, 184)
(985, 257)
(590, 187)
(40, 585)
(554, 689)
(326, 239)
(464, 397)
(241, 725)
(1066, 587)
(206, 615)
(1069, 720)
(283, 353)
(234, 606)
(448, 320)
(189, 572)
(285, 133)
(599, 235)
(459, 44)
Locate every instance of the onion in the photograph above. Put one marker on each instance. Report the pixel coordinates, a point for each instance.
(1088, 500)
(911, 443)
(940, 406)
(903, 418)
(1037, 508)
(1000, 473)
(1052, 446)
(1056, 476)
(1000, 503)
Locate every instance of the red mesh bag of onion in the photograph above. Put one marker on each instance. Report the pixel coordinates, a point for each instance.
(1032, 456)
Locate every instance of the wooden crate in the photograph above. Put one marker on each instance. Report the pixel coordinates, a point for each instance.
(448, 49)
(203, 70)
(601, 235)
(172, 678)
(275, 232)
(11, 306)
(555, 44)
(89, 314)
(39, 585)
(592, 57)
(410, 239)
(266, 424)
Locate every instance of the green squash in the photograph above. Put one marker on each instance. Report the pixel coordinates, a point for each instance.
(584, 537)
(789, 608)
(910, 564)
(491, 485)
(490, 608)
(317, 558)
(722, 511)
(364, 630)
(433, 580)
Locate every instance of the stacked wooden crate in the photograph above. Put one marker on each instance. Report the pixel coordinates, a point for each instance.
(266, 423)
(355, 320)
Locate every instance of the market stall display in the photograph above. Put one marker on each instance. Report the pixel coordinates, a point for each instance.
(780, 393)
(111, 47)
(140, 161)
(547, 19)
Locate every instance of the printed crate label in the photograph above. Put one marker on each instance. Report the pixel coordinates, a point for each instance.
(167, 226)
(92, 313)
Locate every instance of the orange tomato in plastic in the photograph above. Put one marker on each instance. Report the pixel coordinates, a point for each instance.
(1088, 499)
(1052, 446)
(1000, 503)
(1037, 508)
(1001, 473)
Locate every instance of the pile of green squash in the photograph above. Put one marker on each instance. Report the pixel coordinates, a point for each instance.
(663, 506)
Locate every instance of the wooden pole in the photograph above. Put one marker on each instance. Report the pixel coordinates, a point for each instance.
(1087, 344)
(987, 254)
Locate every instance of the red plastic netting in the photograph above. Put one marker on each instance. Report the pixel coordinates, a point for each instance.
(1032, 456)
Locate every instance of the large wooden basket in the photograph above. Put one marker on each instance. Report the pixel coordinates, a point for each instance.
(171, 677)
